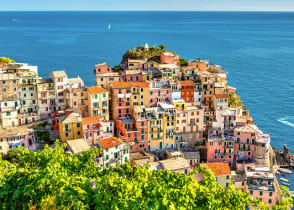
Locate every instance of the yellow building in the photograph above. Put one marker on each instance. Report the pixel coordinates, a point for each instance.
(98, 102)
(70, 127)
(161, 126)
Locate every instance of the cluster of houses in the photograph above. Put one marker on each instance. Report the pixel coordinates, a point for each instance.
(150, 112)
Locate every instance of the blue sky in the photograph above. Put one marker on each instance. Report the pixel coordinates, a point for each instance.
(223, 5)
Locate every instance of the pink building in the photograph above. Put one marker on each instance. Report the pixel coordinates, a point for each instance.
(220, 148)
(167, 57)
(245, 137)
(21, 136)
(134, 132)
(160, 91)
(102, 68)
(132, 76)
(260, 184)
(95, 130)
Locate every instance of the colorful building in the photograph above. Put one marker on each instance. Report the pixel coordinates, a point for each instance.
(21, 136)
(222, 172)
(98, 102)
(94, 130)
(187, 90)
(70, 127)
(115, 152)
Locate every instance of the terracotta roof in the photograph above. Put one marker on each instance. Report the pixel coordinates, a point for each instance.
(187, 83)
(90, 120)
(95, 89)
(219, 169)
(129, 84)
(221, 95)
(110, 142)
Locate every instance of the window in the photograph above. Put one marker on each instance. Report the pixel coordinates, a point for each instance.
(228, 177)
(269, 200)
(78, 125)
(107, 157)
(243, 183)
(107, 150)
(8, 113)
(238, 140)
(227, 184)
(253, 141)
(116, 147)
(248, 140)
(251, 192)
(260, 192)
(104, 95)
(66, 134)
(270, 193)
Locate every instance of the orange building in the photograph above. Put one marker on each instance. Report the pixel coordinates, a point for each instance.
(187, 90)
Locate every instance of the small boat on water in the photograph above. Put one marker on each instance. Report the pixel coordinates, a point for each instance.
(284, 170)
(278, 173)
(286, 184)
(109, 27)
(284, 180)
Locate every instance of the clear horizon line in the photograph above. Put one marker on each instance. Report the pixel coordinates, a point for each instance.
(114, 10)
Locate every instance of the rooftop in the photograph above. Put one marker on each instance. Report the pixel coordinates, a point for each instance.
(110, 142)
(172, 164)
(57, 74)
(191, 155)
(187, 83)
(95, 90)
(71, 118)
(129, 84)
(168, 53)
(221, 95)
(19, 131)
(78, 145)
(218, 168)
(90, 120)
(166, 105)
(100, 64)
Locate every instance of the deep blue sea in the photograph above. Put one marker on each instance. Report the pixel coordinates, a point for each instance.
(255, 48)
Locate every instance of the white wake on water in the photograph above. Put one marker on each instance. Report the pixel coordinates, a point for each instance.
(287, 120)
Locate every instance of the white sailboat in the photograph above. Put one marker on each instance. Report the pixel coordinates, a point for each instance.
(109, 27)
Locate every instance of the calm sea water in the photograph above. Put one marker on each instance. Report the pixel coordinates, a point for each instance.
(256, 49)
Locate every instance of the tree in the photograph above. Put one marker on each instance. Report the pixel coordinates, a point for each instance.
(6, 60)
(183, 61)
(162, 46)
(53, 179)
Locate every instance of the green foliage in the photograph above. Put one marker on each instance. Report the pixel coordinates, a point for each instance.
(162, 46)
(183, 61)
(116, 68)
(6, 60)
(52, 179)
(141, 53)
(287, 200)
(234, 100)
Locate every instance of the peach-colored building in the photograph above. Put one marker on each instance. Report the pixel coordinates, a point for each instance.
(94, 130)
(167, 57)
(126, 95)
(98, 102)
(102, 68)
(222, 172)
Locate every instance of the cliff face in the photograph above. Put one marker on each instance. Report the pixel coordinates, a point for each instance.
(282, 158)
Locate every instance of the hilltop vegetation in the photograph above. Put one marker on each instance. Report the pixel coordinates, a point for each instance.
(6, 60)
(52, 179)
(141, 52)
